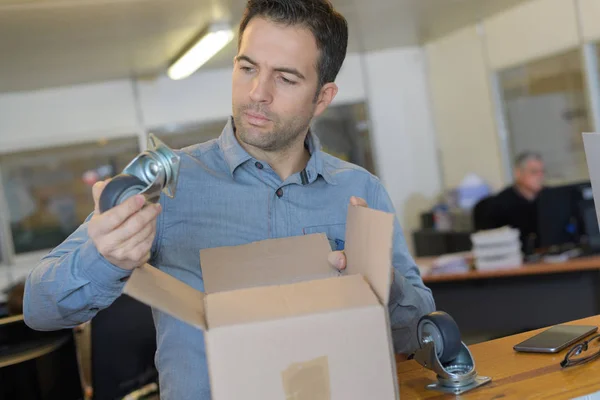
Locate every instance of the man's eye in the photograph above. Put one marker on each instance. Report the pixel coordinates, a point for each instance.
(247, 69)
(287, 81)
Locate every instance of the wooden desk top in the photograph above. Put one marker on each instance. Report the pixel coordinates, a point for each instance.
(514, 375)
(576, 264)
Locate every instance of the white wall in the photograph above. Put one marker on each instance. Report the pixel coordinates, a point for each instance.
(531, 30)
(403, 132)
(66, 115)
(464, 114)
(589, 10)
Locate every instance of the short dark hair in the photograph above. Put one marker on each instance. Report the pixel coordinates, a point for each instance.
(522, 158)
(329, 28)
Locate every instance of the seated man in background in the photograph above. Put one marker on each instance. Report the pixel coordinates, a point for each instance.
(516, 206)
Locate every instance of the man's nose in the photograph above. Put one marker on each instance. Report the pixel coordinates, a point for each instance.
(261, 90)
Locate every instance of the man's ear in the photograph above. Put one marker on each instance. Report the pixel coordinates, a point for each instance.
(325, 97)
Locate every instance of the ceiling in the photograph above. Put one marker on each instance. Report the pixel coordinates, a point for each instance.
(48, 43)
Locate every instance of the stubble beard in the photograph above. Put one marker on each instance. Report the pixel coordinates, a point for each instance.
(282, 136)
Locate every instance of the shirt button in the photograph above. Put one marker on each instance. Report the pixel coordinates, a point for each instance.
(258, 165)
(279, 192)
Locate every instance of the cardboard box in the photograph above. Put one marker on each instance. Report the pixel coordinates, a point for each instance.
(280, 323)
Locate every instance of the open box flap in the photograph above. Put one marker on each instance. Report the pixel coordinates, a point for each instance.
(267, 262)
(591, 143)
(369, 241)
(292, 300)
(160, 290)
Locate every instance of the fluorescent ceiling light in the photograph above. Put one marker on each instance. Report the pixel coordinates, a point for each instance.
(209, 44)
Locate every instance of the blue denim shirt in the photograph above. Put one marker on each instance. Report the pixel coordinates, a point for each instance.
(224, 197)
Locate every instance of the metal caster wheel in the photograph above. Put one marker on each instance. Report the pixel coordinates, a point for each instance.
(441, 327)
(154, 171)
(119, 189)
(443, 352)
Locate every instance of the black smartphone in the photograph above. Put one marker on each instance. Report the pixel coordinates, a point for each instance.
(554, 339)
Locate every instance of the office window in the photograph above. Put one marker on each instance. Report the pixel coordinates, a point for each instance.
(48, 192)
(344, 132)
(178, 136)
(546, 110)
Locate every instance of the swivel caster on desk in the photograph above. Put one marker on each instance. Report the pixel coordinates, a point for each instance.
(443, 352)
(154, 171)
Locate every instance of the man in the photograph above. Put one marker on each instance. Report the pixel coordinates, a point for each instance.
(264, 177)
(516, 205)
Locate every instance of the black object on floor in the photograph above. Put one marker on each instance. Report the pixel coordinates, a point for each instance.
(123, 349)
(37, 365)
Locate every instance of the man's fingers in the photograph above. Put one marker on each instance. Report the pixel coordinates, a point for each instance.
(114, 217)
(139, 240)
(357, 201)
(337, 259)
(135, 223)
(140, 236)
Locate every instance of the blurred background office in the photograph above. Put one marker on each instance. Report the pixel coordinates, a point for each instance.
(438, 98)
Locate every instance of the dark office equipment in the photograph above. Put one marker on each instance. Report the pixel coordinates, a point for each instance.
(429, 242)
(588, 219)
(37, 365)
(427, 220)
(566, 215)
(123, 349)
(556, 216)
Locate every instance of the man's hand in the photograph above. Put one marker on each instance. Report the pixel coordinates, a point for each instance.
(125, 233)
(337, 259)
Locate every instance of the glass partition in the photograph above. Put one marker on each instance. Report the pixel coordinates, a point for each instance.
(342, 129)
(48, 192)
(546, 110)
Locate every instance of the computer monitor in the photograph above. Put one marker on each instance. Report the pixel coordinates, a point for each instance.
(588, 223)
(566, 214)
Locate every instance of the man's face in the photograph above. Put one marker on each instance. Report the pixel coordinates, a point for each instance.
(275, 80)
(531, 175)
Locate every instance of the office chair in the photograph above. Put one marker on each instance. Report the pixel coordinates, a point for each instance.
(116, 350)
(36, 365)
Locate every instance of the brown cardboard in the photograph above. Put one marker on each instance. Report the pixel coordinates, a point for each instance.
(273, 302)
(279, 326)
(591, 143)
(247, 360)
(163, 292)
(369, 248)
(269, 262)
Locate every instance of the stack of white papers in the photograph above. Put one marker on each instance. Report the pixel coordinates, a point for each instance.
(497, 248)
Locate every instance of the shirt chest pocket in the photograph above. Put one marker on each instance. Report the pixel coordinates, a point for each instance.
(336, 234)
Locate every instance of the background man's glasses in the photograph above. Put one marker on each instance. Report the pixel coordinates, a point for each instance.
(581, 353)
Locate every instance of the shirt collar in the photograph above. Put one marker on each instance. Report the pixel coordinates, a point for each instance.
(235, 155)
(316, 165)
